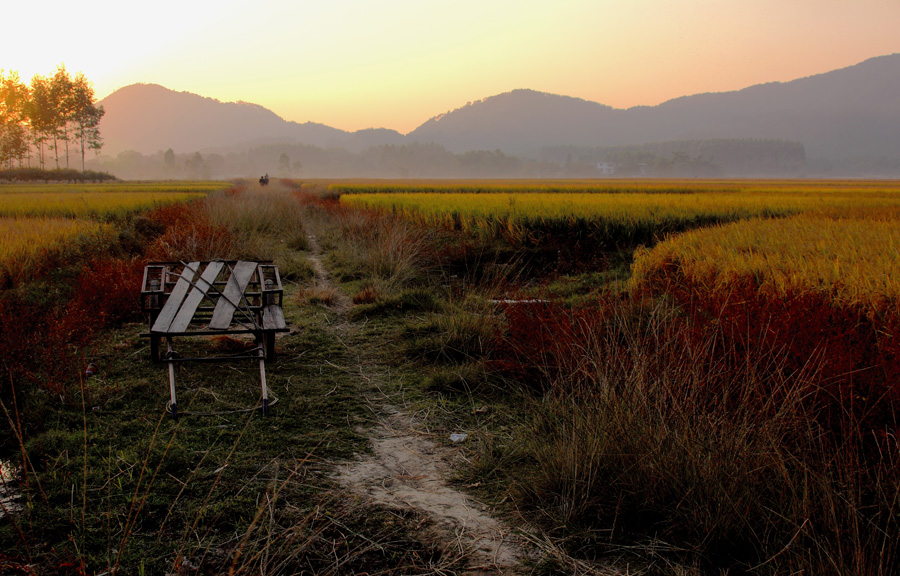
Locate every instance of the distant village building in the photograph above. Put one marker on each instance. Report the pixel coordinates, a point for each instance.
(606, 168)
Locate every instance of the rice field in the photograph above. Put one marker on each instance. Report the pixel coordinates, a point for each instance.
(853, 261)
(37, 220)
(180, 186)
(622, 217)
(95, 200)
(24, 242)
(614, 186)
(837, 238)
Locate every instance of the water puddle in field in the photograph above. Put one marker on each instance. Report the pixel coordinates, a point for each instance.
(11, 497)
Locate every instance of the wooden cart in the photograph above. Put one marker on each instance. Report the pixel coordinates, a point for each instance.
(212, 298)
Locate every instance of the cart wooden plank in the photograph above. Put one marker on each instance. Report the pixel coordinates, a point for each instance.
(273, 318)
(232, 295)
(173, 303)
(196, 295)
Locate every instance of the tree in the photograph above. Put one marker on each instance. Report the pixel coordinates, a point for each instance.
(62, 100)
(40, 113)
(86, 117)
(284, 163)
(13, 137)
(169, 159)
(49, 108)
(196, 167)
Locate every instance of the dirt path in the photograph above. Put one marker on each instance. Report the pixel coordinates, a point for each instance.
(407, 470)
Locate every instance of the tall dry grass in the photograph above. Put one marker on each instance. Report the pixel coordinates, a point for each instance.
(387, 250)
(267, 224)
(652, 431)
(260, 213)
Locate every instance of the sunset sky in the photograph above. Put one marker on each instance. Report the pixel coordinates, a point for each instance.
(357, 64)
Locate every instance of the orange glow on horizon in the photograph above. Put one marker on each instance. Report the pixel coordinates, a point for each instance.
(351, 64)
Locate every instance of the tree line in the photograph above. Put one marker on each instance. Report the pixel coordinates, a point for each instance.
(43, 118)
(718, 157)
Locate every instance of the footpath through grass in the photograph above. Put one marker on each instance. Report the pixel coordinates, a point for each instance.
(615, 429)
(110, 483)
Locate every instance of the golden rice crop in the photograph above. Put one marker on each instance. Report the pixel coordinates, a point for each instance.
(856, 261)
(613, 186)
(86, 205)
(624, 215)
(181, 186)
(24, 241)
(96, 200)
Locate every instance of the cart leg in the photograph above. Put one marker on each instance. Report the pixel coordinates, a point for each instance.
(262, 377)
(270, 346)
(171, 378)
(154, 348)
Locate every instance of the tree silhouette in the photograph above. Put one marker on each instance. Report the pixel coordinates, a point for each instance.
(284, 163)
(85, 116)
(55, 108)
(13, 137)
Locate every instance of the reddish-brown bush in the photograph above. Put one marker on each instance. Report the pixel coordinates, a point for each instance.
(189, 235)
(43, 338)
(857, 353)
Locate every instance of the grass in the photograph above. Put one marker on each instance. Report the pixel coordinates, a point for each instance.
(116, 485)
(616, 215)
(852, 261)
(95, 200)
(42, 225)
(644, 430)
(610, 186)
(221, 487)
(173, 187)
(614, 425)
(27, 244)
(651, 433)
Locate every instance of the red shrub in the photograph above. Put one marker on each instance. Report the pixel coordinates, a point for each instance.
(856, 354)
(538, 340)
(108, 291)
(198, 239)
(40, 341)
(36, 344)
(175, 214)
(40, 345)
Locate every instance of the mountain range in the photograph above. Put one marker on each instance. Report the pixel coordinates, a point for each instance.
(847, 113)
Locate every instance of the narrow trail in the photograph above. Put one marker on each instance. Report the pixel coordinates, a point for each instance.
(322, 277)
(408, 471)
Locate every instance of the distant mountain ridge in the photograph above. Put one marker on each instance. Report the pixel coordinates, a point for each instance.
(845, 113)
(149, 117)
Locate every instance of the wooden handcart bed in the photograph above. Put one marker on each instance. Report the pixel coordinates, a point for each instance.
(212, 298)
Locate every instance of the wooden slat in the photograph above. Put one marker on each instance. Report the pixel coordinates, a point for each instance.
(173, 303)
(196, 295)
(233, 293)
(273, 318)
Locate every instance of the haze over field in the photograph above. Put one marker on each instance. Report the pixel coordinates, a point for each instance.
(354, 64)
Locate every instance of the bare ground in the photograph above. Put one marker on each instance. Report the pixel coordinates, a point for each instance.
(408, 471)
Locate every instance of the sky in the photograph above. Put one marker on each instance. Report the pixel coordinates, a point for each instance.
(355, 64)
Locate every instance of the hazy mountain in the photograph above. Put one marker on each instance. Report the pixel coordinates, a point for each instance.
(849, 112)
(148, 117)
(521, 121)
(845, 113)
